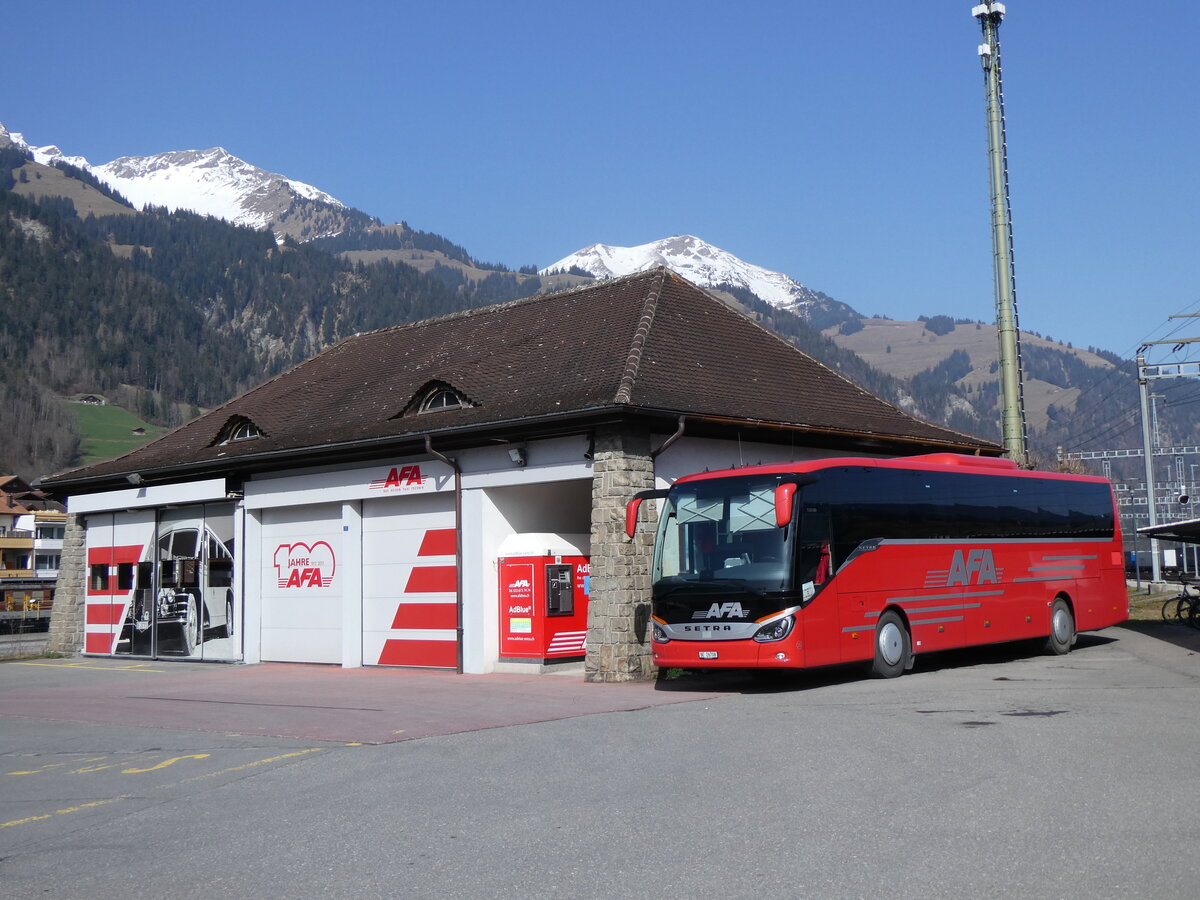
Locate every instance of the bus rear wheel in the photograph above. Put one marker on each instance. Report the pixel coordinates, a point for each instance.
(893, 646)
(1062, 628)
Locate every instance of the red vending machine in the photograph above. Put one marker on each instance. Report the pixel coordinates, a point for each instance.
(544, 586)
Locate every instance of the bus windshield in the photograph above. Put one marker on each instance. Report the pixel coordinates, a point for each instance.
(722, 534)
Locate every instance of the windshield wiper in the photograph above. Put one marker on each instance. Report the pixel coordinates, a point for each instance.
(705, 586)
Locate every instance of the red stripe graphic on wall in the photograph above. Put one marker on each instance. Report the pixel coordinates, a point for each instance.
(105, 613)
(439, 654)
(438, 542)
(97, 642)
(432, 580)
(426, 615)
(442, 579)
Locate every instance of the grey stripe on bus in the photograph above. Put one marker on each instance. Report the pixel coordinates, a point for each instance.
(954, 595)
(925, 609)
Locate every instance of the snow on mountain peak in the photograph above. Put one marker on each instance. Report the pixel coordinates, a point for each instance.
(47, 155)
(211, 182)
(694, 259)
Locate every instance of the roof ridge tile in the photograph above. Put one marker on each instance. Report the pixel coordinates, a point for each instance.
(634, 358)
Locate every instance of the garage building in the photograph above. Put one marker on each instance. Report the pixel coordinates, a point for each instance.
(361, 508)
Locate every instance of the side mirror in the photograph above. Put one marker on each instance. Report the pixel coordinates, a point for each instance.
(631, 513)
(784, 493)
(632, 507)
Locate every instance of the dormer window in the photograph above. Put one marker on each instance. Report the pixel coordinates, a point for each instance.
(441, 399)
(239, 428)
(434, 397)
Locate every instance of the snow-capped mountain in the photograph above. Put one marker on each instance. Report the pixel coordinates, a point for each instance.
(210, 182)
(47, 155)
(696, 260)
(217, 183)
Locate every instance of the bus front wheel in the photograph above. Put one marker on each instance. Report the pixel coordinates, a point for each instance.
(1062, 628)
(893, 646)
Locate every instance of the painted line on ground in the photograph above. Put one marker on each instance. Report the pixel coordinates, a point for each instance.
(133, 668)
(63, 812)
(251, 765)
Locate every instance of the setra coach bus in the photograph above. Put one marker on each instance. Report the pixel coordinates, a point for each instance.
(845, 560)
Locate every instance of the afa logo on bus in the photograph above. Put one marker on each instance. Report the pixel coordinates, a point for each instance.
(302, 565)
(975, 566)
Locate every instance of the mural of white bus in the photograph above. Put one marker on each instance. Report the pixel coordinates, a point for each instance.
(193, 599)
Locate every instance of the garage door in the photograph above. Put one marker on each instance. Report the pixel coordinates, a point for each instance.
(301, 584)
(409, 582)
(118, 547)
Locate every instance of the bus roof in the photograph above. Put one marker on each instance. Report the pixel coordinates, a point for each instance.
(929, 462)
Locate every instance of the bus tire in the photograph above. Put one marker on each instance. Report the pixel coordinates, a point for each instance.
(189, 628)
(229, 614)
(1062, 628)
(893, 646)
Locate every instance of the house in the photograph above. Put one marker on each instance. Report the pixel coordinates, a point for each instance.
(27, 516)
(359, 509)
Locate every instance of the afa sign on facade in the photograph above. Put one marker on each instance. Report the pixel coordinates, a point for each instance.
(302, 565)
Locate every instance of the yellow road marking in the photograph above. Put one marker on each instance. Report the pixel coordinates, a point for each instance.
(260, 762)
(95, 803)
(63, 812)
(165, 763)
(86, 769)
(38, 771)
(138, 667)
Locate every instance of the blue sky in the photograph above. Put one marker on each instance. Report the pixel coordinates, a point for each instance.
(840, 142)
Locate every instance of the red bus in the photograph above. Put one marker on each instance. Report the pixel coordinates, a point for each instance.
(876, 560)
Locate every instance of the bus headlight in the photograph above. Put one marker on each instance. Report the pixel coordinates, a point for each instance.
(660, 636)
(775, 631)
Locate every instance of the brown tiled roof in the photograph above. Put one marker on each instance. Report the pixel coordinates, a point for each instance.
(17, 497)
(651, 344)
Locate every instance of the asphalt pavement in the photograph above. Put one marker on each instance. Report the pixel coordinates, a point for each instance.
(987, 773)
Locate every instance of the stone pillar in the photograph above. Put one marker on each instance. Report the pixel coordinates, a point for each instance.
(618, 640)
(66, 616)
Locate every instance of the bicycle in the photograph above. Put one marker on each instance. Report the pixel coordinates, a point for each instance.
(1183, 606)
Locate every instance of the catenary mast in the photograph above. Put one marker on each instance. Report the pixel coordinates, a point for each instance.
(1007, 332)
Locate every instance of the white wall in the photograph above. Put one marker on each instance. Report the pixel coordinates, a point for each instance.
(688, 455)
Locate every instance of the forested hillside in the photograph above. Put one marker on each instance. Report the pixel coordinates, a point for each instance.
(188, 307)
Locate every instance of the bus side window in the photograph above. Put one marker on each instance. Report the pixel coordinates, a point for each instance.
(189, 577)
(220, 572)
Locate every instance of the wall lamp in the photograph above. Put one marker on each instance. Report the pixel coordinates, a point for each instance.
(517, 455)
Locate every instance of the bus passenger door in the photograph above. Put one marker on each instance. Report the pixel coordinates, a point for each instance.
(820, 618)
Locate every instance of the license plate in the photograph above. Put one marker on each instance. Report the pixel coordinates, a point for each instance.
(708, 654)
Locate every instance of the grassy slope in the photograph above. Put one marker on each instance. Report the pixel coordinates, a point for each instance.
(108, 432)
(424, 261)
(913, 349)
(46, 181)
